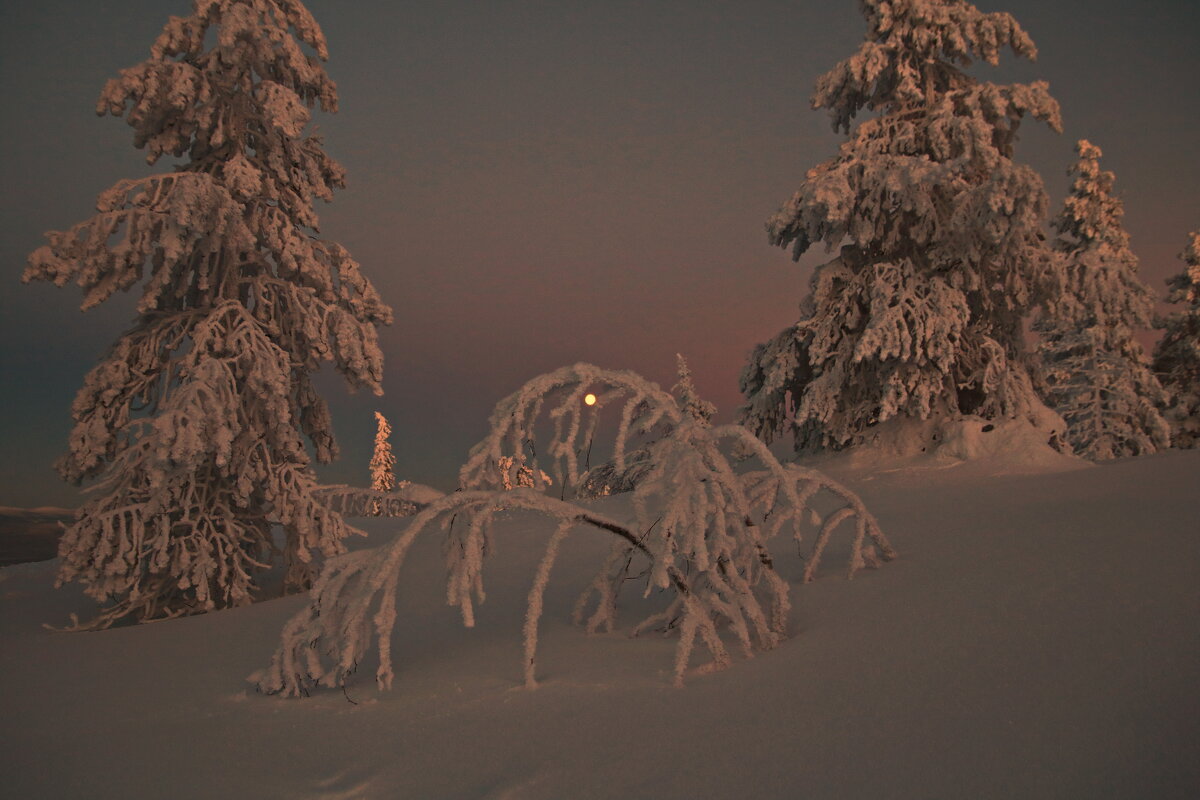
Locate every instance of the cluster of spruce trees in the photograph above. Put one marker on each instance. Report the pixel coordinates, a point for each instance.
(196, 426)
(943, 260)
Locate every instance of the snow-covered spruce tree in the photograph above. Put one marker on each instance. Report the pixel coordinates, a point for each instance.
(942, 255)
(1096, 375)
(704, 529)
(1177, 355)
(383, 463)
(194, 422)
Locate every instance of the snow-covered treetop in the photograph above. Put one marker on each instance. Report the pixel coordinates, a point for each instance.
(912, 52)
(689, 399)
(1091, 213)
(229, 88)
(236, 110)
(1100, 270)
(931, 178)
(236, 221)
(238, 104)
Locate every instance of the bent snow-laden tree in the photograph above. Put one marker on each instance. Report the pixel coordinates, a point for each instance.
(194, 422)
(1096, 375)
(700, 531)
(1177, 355)
(941, 258)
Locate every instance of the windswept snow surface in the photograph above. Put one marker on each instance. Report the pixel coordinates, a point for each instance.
(1037, 638)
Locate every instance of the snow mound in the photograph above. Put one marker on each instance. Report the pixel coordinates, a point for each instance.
(418, 493)
(970, 446)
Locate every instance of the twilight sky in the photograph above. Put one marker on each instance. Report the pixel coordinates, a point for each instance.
(532, 184)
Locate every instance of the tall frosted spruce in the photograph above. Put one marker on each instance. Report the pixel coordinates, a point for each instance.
(1177, 355)
(194, 422)
(941, 252)
(1097, 377)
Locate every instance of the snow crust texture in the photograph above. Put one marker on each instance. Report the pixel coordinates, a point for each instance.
(941, 257)
(699, 536)
(195, 424)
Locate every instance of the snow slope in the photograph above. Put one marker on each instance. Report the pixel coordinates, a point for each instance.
(1037, 638)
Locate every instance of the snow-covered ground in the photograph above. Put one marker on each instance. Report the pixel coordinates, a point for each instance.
(1038, 637)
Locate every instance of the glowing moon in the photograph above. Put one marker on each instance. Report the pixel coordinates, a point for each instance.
(589, 399)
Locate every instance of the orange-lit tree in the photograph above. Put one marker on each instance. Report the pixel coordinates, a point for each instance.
(383, 462)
